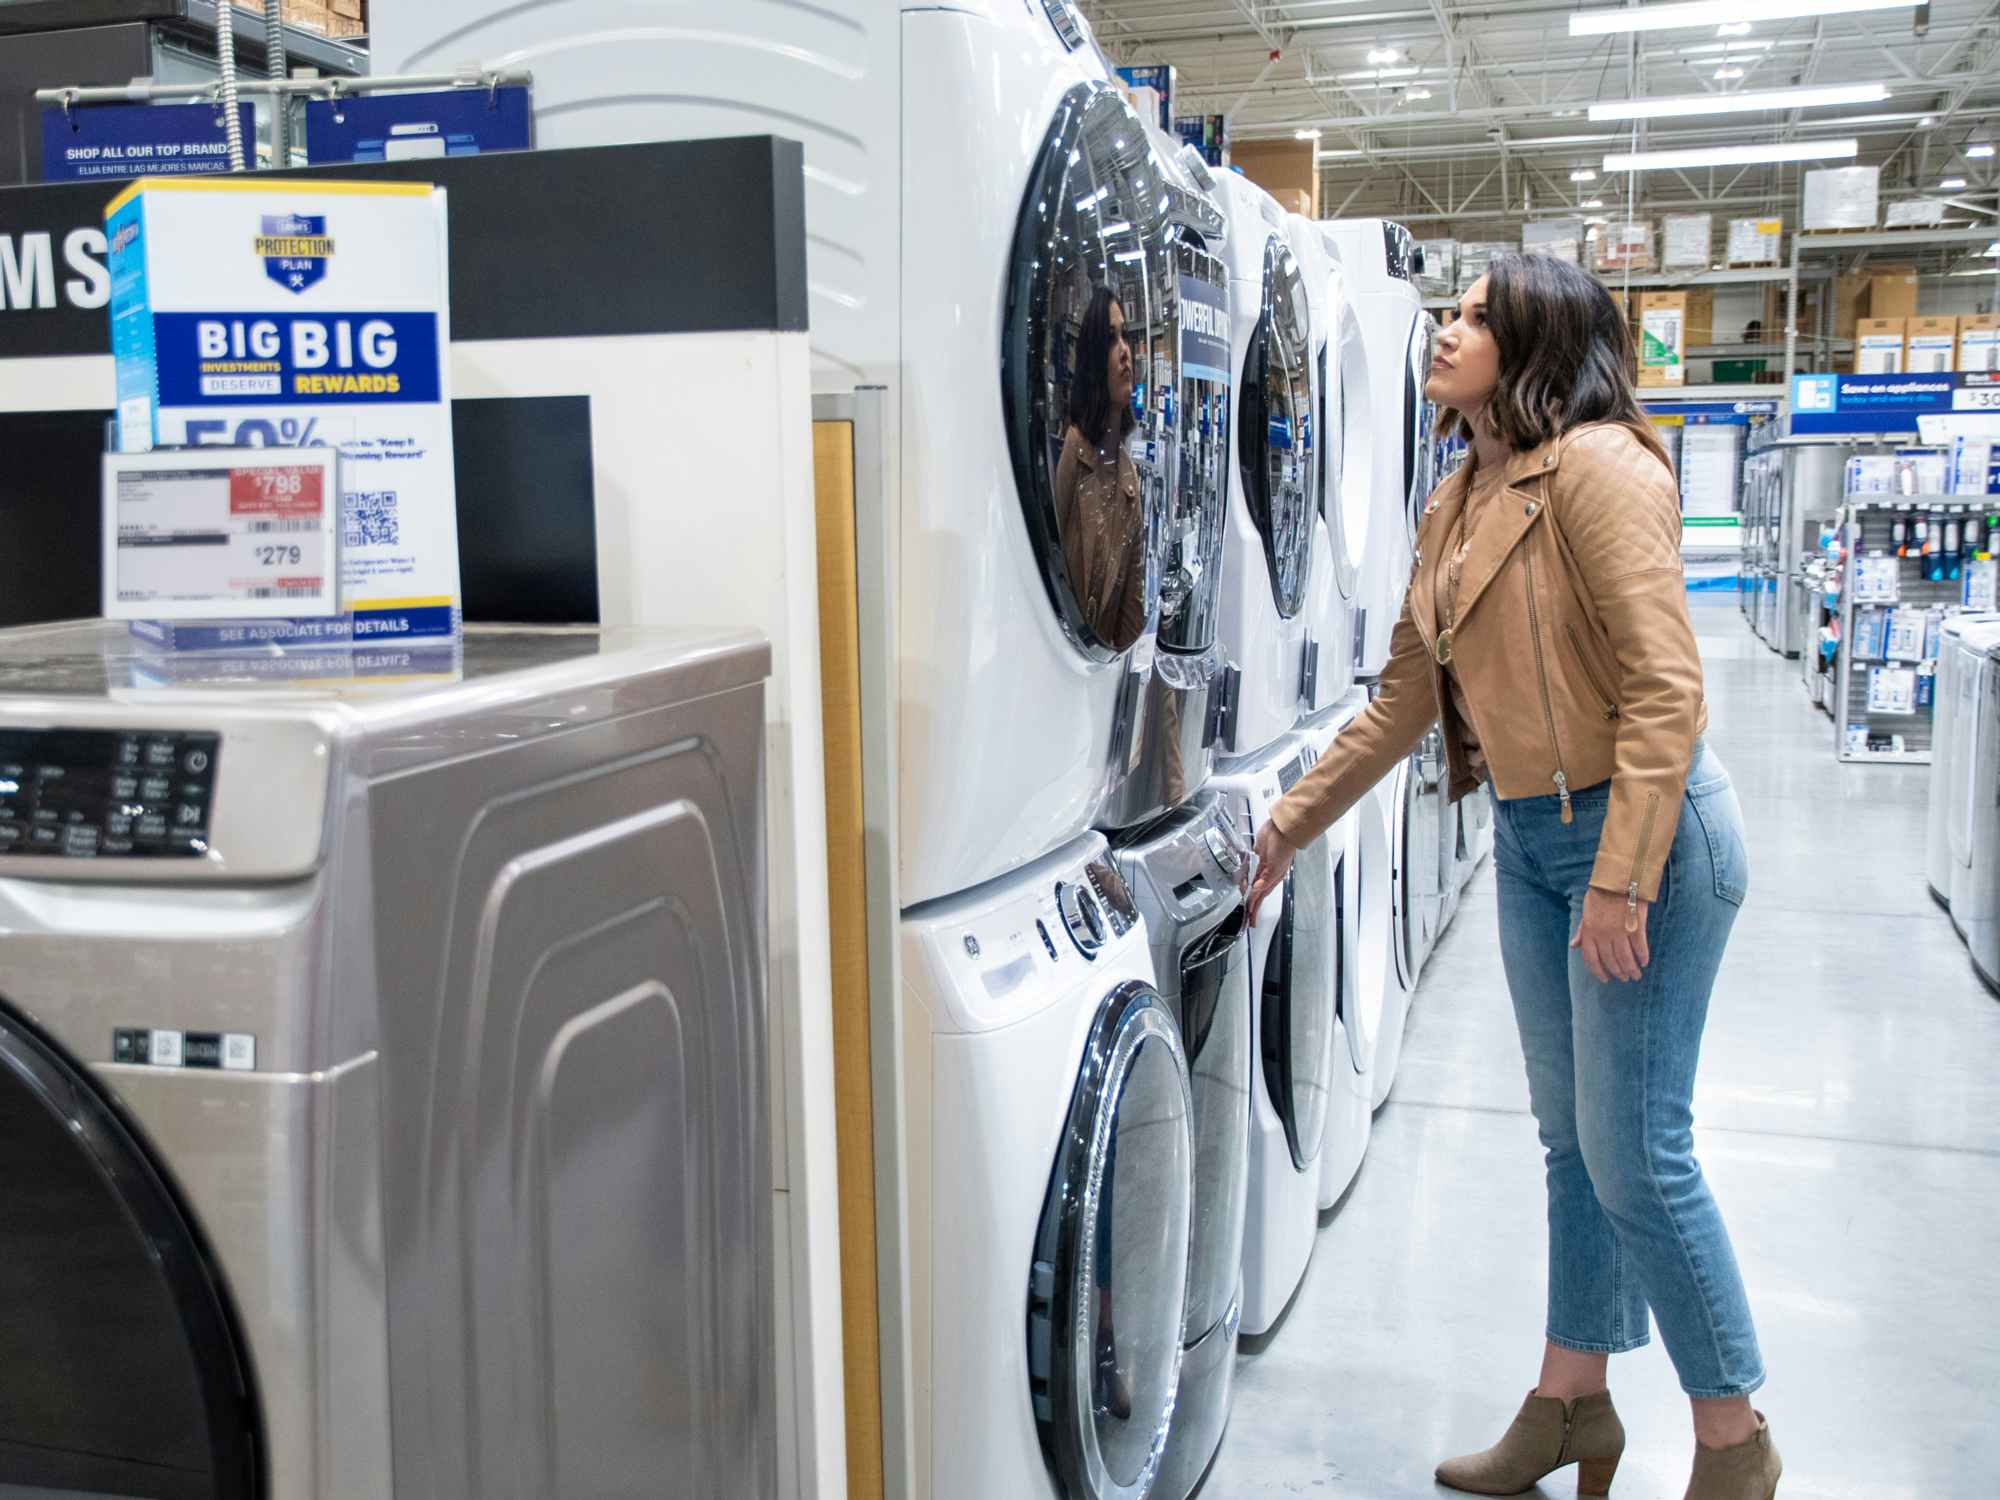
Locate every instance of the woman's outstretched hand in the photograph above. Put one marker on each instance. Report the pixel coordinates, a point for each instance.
(1612, 936)
(1273, 858)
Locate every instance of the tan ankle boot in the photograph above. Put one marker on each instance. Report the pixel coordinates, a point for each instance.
(1546, 1436)
(1748, 1471)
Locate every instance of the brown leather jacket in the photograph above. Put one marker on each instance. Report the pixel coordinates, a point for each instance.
(1103, 525)
(1571, 644)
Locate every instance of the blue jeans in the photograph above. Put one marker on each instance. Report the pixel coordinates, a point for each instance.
(1611, 1074)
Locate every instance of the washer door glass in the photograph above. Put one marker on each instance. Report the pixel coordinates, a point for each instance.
(1298, 1004)
(120, 1374)
(1198, 432)
(1091, 238)
(1419, 414)
(1107, 1293)
(1215, 1028)
(1274, 431)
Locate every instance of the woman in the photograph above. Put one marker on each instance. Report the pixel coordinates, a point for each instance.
(1546, 627)
(1099, 512)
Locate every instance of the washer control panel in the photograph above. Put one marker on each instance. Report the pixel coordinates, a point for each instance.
(107, 794)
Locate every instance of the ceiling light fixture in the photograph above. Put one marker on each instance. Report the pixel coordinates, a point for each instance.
(1741, 101)
(1979, 150)
(1928, 122)
(1417, 94)
(1733, 156)
(1583, 174)
(1594, 203)
(1726, 74)
(1733, 28)
(1610, 20)
(1305, 135)
(1952, 185)
(1383, 73)
(1382, 57)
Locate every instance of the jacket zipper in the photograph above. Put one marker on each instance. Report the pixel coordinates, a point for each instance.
(1639, 863)
(1561, 777)
(1604, 704)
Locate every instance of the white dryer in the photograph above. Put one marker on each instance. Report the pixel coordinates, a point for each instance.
(1381, 262)
(1973, 757)
(1336, 361)
(383, 1105)
(1360, 970)
(1051, 1150)
(1268, 555)
(1421, 837)
(1294, 950)
(1954, 728)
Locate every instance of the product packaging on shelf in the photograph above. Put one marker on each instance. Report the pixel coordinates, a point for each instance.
(1843, 198)
(1979, 342)
(1880, 346)
(260, 313)
(1755, 242)
(1663, 339)
(1932, 346)
(1685, 241)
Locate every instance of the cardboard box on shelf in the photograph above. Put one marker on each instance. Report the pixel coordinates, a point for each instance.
(1686, 240)
(1979, 342)
(1932, 347)
(1440, 277)
(1892, 292)
(1843, 198)
(1561, 238)
(1622, 247)
(1879, 346)
(1662, 339)
(1851, 302)
(1755, 242)
(1284, 169)
(1700, 315)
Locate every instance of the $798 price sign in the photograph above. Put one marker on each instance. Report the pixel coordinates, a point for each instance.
(277, 491)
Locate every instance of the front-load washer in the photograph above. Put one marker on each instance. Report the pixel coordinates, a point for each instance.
(1294, 949)
(1172, 697)
(383, 1105)
(1975, 764)
(1051, 1154)
(1267, 559)
(1335, 359)
(1954, 725)
(1418, 814)
(970, 176)
(1187, 873)
(1381, 262)
(1359, 977)
(1975, 888)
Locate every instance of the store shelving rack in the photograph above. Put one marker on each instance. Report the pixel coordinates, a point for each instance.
(1867, 523)
(1804, 245)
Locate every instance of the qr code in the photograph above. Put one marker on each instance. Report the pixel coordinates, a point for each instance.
(371, 520)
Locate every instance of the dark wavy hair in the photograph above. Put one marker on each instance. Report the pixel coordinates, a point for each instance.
(1565, 355)
(1089, 386)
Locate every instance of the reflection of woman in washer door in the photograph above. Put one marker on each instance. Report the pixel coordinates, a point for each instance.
(1100, 510)
(1546, 628)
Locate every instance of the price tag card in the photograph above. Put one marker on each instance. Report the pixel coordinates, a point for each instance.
(221, 533)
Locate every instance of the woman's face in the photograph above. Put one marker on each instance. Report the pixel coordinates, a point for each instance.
(1467, 366)
(1118, 374)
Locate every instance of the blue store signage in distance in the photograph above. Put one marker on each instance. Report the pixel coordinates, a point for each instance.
(135, 140)
(400, 127)
(1886, 403)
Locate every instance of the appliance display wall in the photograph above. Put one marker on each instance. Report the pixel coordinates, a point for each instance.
(266, 1066)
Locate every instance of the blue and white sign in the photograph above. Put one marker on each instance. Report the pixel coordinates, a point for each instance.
(1886, 403)
(403, 127)
(1204, 331)
(128, 140)
(1713, 413)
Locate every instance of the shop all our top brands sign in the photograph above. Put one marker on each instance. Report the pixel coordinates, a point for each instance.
(251, 313)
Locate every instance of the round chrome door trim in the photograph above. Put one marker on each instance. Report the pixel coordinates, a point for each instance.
(1063, 1342)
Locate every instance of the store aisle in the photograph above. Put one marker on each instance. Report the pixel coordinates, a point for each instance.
(1848, 1116)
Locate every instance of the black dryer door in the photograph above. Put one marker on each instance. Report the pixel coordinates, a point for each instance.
(121, 1371)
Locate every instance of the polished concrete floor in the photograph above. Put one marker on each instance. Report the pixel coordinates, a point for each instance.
(1848, 1116)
